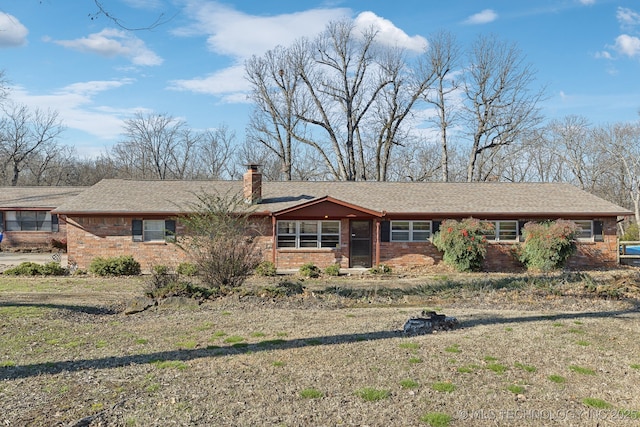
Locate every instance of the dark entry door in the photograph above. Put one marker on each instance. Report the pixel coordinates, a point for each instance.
(360, 252)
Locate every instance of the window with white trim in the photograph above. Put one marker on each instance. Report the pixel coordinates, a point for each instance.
(308, 234)
(503, 231)
(585, 231)
(410, 231)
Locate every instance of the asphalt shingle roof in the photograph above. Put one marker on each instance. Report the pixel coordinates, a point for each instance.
(114, 196)
(36, 197)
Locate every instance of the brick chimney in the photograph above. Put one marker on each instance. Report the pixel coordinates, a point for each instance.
(252, 185)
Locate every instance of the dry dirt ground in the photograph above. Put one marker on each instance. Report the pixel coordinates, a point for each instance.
(555, 350)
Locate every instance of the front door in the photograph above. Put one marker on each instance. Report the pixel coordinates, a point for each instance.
(360, 247)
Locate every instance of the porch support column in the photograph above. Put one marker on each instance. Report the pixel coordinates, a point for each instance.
(274, 240)
(377, 242)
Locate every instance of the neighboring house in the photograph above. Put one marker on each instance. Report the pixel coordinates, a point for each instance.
(355, 224)
(26, 221)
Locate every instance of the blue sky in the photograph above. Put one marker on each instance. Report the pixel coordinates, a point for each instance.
(587, 53)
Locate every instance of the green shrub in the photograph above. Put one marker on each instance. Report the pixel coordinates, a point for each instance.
(266, 269)
(309, 270)
(187, 269)
(116, 266)
(332, 270)
(547, 245)
(34, 269)
(631, 233)
(464, 243)
(161, 270)
(380, 269)
(53, 269)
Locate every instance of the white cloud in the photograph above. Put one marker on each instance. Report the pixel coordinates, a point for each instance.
(239, 35)
(228, 83)
(111, 43)
(587, 2)
(388, 33)
(76, 106)
(483, 17)
(144, 4)
(12, 33)
(628, 45)
(627, 17)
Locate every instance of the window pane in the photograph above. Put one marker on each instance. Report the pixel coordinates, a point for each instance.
(400, 236)
(330, 241)
(28, 221)
(508, 230)
(330, 227)
(286, 227)
(399, 225)
(153, 230)
(286, 241)
(12, 222)
(422, 225)
(585, 229)
(308, 227)
(421, 236)
(308, 240)
(491, 235)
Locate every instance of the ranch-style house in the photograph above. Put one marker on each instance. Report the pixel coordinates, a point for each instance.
(355, 224)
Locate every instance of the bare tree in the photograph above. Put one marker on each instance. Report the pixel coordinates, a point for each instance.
(339, 82)
(442, 58)
(215, 152)
(500, 104)
(155, 146)
(104, 12)
(622, 142)
(51, 165)
(275, 85)
(24, 134)
(395, 104)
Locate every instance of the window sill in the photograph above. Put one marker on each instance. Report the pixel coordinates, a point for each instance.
(155, 243)
(286, 250)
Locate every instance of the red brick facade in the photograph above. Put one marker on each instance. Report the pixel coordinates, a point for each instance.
(110, 236)
(34, 240)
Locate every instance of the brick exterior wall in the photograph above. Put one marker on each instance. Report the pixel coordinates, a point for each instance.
(111, 236)
(92, 237)
(33, 240)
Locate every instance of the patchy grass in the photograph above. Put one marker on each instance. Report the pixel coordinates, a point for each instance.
(301, 358)
(582, 370)
(372, 394)
(409, 384)
(596, 403)
(558, 379)
(455, 348)
(311, 393)
(445, 387)
(169, 364)
(526, 368)
(437, 419)
(515, 389)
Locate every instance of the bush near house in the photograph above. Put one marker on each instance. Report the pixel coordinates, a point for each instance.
(116, 266)
(547, 245)
(463, 243)
(220, 239)
(35, 269)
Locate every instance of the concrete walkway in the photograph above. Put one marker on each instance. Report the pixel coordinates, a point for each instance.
(11, 259)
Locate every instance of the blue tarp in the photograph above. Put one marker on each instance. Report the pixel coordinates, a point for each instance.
(633, 250)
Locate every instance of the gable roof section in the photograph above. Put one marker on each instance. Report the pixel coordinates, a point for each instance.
(16, 198)
(328, 203)
(440, 200)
